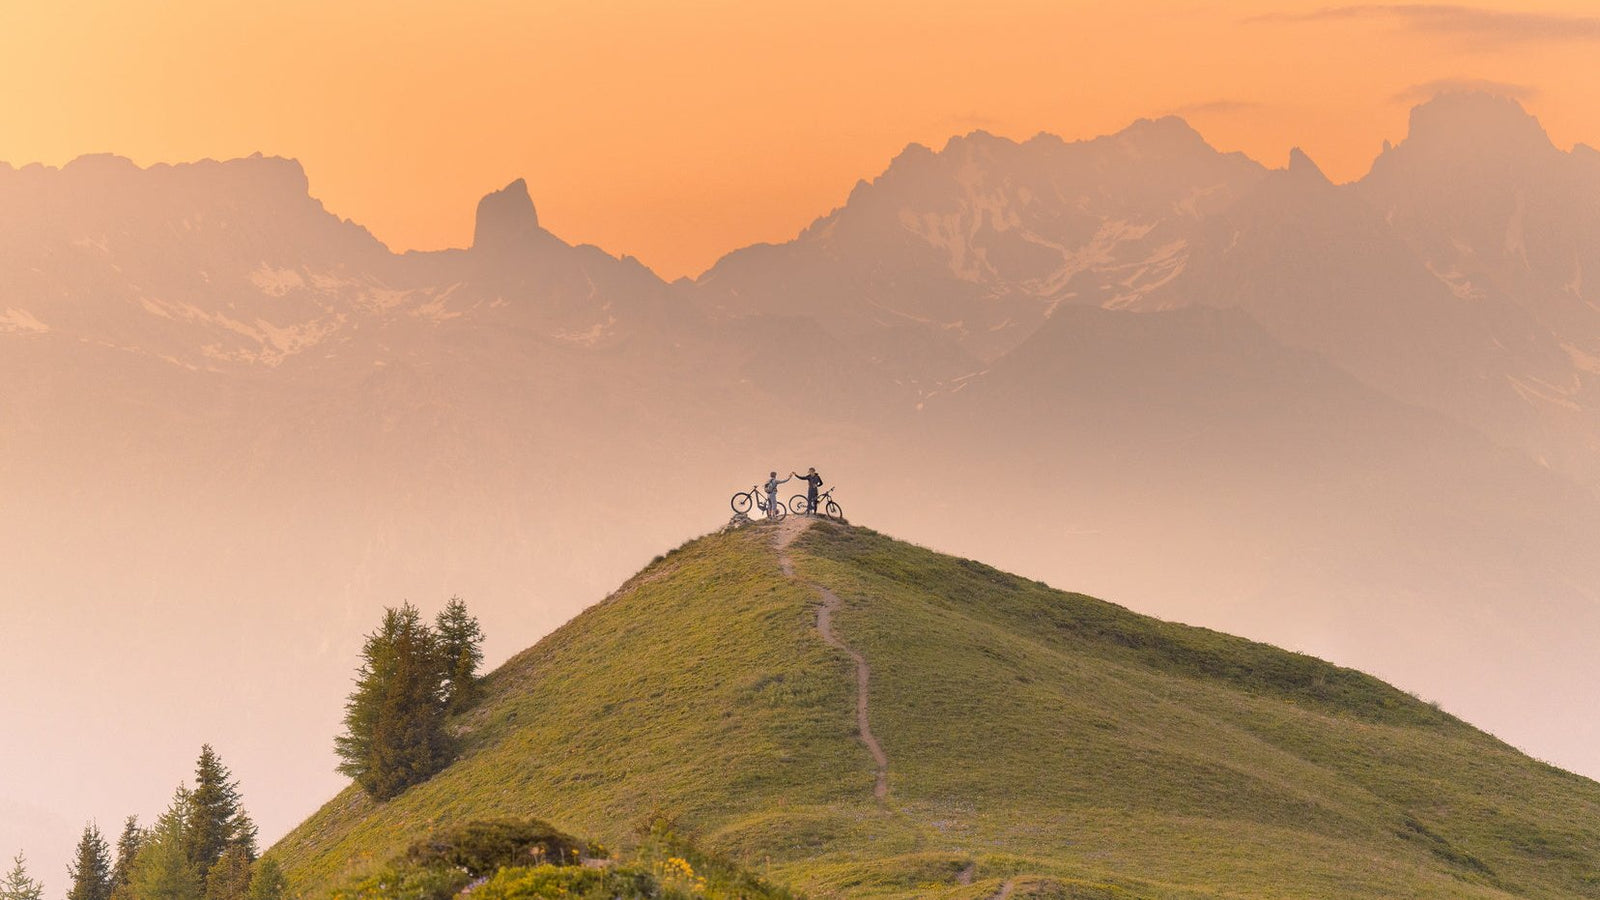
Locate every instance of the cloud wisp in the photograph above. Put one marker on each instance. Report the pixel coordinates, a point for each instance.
(1421, 93)
(1479, 25)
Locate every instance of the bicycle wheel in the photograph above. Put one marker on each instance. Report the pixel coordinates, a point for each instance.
(797, 504)
(778, 512)
(741, 503)
(834, 512)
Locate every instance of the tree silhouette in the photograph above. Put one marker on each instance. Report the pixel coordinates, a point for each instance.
(17, 885)
(127, 853)
(163, 869)
(394, 720)
(460, 652)
(90, 869)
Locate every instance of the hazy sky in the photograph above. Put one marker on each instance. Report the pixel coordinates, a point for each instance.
(678, 131)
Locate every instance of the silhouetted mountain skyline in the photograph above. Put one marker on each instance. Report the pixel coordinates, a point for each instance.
(1331, 416)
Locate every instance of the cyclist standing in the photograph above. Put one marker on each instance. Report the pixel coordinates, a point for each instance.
(772, 492)
(813, 482)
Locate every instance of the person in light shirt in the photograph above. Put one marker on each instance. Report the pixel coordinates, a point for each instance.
(772, 492)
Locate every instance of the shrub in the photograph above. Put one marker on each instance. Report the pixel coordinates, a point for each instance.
(482, 847)
(403, 883)
(569, 882)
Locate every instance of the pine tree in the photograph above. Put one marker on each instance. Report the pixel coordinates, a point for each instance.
(394, 721)
(17, 885)
(460, 651)
(163, 870)
(127, 853)
(243, 833)
(216, 817)
(229, 878)
(90, 871)
(268, 882)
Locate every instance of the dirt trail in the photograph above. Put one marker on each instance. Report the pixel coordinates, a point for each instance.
(787, 532)
(830, 605)
(1005, 890)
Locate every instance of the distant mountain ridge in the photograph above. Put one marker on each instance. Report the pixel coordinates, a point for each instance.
(1419, 278)
(1356, 420)
(977, 243)
(1450, 276)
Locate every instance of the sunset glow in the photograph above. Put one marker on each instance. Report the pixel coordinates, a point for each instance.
(677, 132)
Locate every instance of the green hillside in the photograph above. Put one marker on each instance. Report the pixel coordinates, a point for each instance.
(1038, 744)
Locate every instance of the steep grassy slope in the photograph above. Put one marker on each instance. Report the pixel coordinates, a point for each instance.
(1037, 741)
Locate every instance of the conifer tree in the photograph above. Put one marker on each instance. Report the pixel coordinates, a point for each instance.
(460, 652)
(127, 853)
(216, 818)
(163, 870)
(268, 882)
(243, 834)
(17, 885)
(229, 878)
(394, 721)
(90, 870)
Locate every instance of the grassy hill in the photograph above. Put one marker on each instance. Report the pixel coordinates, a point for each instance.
(1038, 744)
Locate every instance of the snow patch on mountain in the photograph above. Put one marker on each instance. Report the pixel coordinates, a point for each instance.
(16, 321)
(1458, 283)
(436, 309)
(276, 282)
(264, 342)
(1582, 359)
(379, 299)
(1166, 264)
(949, 232)
(590, 336)
(1537, 390)
(289, 340)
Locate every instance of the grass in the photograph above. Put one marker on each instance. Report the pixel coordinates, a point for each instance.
(1046, 739)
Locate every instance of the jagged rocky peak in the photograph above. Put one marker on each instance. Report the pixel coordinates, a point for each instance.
(284, 173)
(974, 143)
(1168, 134)
(100, 163)
(1302, 168)
(506, 219)
(1475, 120)
(257, 181)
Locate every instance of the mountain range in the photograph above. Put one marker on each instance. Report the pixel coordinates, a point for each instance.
(1357, 420)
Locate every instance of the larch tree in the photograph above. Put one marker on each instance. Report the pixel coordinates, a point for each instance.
(163, 870)
(460, 653)
(229, 877)
(90, 869)
(268, 882)
(394, 720)
(17, 884)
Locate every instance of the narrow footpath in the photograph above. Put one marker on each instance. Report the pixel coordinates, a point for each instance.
(787, 532)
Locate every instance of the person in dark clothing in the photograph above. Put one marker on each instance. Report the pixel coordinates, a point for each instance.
(772, 491)
(813, 483)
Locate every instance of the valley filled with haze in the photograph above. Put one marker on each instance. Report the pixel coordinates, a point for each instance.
(1358, 420)
(1343, 401)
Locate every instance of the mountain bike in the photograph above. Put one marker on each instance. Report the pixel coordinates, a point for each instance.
(744, 501)
(799, 506)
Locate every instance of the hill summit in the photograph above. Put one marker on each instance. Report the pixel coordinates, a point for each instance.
(857, 716)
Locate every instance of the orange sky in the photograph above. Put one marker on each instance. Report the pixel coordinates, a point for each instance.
(678, 131)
